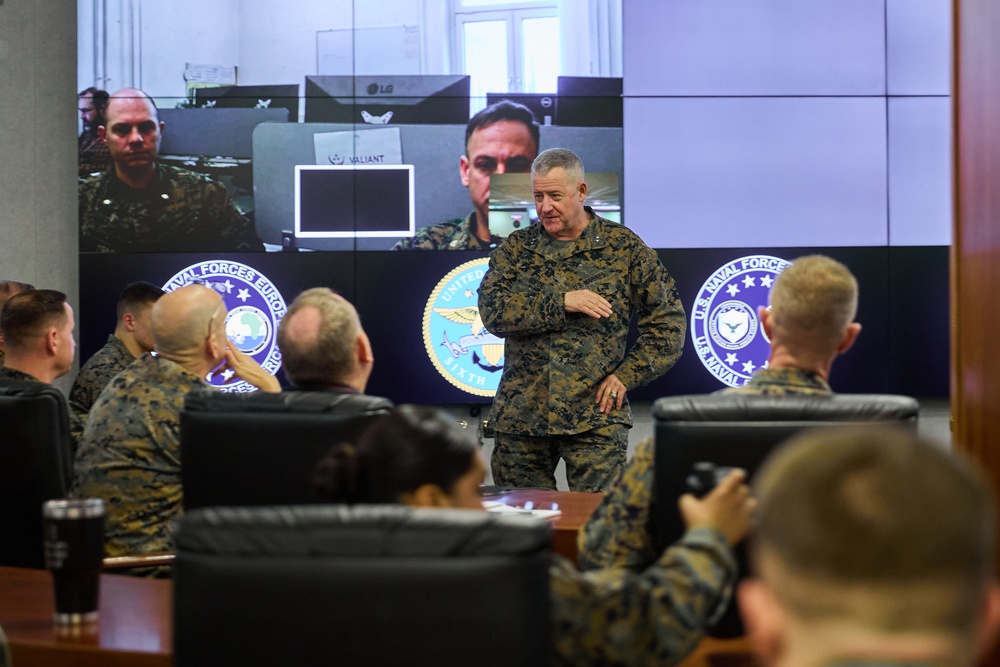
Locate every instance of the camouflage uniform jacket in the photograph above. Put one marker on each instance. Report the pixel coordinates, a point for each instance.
(130, 454)
(76, 421)
(95, 375)
(656, 617)
(451, 235)
(182, 211)
(554, 360)
(618, 532)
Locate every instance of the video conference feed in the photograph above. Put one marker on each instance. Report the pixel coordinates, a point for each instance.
(338, 86)
(710, 172)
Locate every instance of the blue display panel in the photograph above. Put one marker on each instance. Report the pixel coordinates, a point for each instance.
(754, 47)
(746, 172)
(918, 47)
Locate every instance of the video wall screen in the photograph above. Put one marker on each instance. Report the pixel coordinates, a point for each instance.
(772, 129)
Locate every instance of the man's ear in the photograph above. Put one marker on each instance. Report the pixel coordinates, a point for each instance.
(989, 622)
(52, 341)
(763, 618)
(427, 495)
(128, 319)
(364, 350)
(764, 314)
(850, 335)
(102, 133)
(583, 190)
(463, 169)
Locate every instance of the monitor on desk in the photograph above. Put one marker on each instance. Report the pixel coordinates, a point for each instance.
(382, 99)
(341, 201)
(275, 96)
(589, 101)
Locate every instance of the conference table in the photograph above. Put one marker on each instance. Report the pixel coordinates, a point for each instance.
(136, 623)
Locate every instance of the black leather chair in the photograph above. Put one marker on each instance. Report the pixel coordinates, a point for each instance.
(740, 430)
(261, 448)
(36, 465)
(364, 585)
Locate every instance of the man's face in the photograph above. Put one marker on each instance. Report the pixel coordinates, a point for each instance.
(132, 132)
(66, 342)
(142, 321)
(503, 147)
(88, 113)
(559, 203)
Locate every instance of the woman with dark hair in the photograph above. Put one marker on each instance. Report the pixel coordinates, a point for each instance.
(420, 457)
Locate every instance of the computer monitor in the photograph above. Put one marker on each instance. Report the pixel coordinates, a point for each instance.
(587, 101)
(543, 105)
(284, 96)
(381, 99)
(341, 201)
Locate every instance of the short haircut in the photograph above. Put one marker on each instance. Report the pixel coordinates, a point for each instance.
(397, 454)
(558, 158)
(27, 314)
(866, 523)
(813, 301)
(330, 355)
(137, 296)
(502, 110)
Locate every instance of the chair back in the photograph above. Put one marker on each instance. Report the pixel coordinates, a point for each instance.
(262, 448)
(741, 430)
(363, 585)
(36, 465)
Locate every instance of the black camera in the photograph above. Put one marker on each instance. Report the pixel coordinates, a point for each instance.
(705, 476)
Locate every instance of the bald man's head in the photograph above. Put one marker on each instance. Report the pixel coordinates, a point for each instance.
(318, 338)
(183, 319)
(132, 130)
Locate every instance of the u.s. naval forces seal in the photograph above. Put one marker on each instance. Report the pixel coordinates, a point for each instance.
(255, 307)
(461, 349)
(725, 327)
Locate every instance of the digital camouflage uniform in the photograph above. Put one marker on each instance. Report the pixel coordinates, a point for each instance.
(618, 617)
(76, 422)
(555, 360)
(130, 455)
(182, 211)
(619, 531)
(451, 235)
(95, 375)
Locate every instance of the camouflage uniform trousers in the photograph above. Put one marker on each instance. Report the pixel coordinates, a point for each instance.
(449, 235)
(594, 458)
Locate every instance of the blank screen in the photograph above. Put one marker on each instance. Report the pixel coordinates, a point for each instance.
(354, 201)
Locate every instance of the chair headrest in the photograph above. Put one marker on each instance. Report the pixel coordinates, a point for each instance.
(210, 400)
(359, 530)
(734, 406)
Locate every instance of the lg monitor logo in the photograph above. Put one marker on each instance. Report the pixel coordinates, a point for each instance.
(375, 89)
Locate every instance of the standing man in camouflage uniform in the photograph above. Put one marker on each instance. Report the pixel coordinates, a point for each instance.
(500, 139)
(143, 206)
(562, 294)
(130, 452)
(37, 328)
(810, 323)
(133, 337)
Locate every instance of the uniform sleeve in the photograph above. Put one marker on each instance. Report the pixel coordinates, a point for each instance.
(236, 231)
(618, 617)
(515, 304)
(660, 320)
(619, 532)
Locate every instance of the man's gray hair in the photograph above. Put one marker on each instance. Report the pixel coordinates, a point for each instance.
(562, 158)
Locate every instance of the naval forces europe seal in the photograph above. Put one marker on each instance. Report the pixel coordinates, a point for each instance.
(725, 326)
(461, 349)
(254, 305)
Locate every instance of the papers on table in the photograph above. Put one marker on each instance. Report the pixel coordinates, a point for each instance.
(528, 510)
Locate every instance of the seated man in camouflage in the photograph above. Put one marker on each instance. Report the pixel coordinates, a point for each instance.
(810, 323)
(500, 139)
(130, 451)
(133, 337)
(37, 327)
(143, 206)
(9, 288)
(872, 547)
(324, 349)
